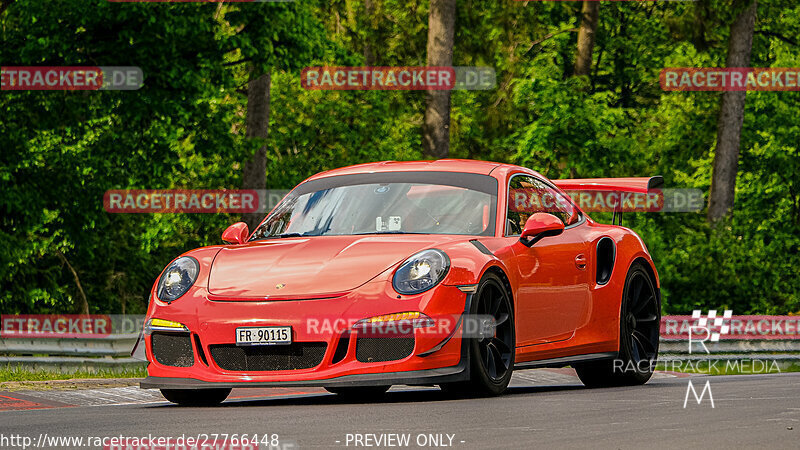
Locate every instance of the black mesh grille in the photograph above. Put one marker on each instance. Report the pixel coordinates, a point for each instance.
(298, 355)
(372, 349)
(173, 349)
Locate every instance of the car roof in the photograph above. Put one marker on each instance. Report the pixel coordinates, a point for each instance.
(440, 165)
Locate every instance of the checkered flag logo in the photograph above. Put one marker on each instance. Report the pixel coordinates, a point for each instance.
(718, 322)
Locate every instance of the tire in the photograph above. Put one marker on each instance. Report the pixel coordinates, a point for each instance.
(196, 397)
(491, 357)
(359, 392)
(640, 318)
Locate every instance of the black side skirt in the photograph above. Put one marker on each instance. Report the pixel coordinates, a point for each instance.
(565, 361)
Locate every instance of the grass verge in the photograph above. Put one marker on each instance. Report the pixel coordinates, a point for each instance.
(722, 367)
(19, 373)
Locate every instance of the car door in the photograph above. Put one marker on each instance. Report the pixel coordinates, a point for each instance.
(553, 295)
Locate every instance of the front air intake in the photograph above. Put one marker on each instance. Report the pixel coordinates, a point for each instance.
(172, 349)
(265, 358)
(381, 349)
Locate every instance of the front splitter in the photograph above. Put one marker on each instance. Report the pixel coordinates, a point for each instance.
(416, 377)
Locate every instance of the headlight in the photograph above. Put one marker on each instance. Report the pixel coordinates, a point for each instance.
(177, 278)
(421, 272)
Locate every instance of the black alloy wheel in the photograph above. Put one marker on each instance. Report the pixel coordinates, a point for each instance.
(640, 321)
(642, 318)
(492, 348)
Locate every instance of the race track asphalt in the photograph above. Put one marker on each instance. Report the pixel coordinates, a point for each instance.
(750, 411)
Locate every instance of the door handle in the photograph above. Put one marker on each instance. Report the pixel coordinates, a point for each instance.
(580, 261)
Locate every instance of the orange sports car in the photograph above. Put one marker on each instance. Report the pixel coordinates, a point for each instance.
(452, 273)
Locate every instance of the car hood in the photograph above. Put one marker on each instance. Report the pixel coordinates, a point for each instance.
(311, 267)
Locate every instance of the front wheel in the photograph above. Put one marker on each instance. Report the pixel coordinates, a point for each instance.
(492, 352)
(196, 397)
(639, 332)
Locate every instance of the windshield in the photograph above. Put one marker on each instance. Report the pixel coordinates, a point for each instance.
(386, 203)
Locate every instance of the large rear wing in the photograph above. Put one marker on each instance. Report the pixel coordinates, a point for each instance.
(636, 185)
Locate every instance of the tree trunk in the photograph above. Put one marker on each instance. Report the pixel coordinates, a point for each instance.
(84, 305)
(441, 31)
(4, 4)
(369, 55)
(589, 15)
(700, 17)
(255, 170)
(731, 118)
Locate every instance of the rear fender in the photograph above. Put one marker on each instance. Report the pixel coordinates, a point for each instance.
(607, 298)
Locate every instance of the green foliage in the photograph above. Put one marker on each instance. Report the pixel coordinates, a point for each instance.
(184, 129)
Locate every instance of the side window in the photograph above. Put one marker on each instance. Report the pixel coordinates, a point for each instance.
(528, 195)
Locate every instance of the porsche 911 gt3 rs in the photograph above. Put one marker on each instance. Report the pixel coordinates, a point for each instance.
(450, 273)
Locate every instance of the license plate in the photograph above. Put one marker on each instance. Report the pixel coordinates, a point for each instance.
(263, 335)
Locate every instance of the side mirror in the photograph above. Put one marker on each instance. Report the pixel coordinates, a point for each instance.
(540, 225)
(236, 233)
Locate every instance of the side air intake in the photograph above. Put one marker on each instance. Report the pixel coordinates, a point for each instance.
(606, 253)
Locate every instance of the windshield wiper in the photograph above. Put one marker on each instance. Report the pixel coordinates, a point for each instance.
(293, 235)
(386, 232)
(282, 236)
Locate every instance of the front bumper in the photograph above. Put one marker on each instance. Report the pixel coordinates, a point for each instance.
(437, 356)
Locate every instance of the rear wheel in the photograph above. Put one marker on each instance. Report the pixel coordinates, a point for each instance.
(196, 397)
(492, 352)
(639, 332)
(359, 392)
